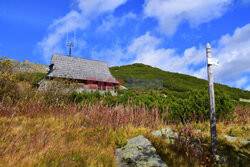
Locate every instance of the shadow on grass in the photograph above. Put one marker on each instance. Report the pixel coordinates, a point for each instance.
(236, 156)
(171, 155)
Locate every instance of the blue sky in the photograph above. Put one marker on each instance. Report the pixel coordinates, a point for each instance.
(168, 34)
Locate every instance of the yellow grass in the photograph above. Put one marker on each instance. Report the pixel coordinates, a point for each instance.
(50, 141)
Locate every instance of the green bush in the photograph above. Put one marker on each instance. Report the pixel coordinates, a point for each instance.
(86, 98)
(8, 87)
(194, 107)
(31, 78)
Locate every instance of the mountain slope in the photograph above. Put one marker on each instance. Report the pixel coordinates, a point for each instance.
(172, 81)
(28, 67)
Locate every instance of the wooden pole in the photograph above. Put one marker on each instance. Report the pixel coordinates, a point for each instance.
(212, 101)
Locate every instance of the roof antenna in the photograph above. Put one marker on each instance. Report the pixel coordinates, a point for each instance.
(70, 44)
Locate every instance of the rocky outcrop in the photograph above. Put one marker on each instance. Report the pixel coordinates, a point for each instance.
(138, 152)
(27, 67)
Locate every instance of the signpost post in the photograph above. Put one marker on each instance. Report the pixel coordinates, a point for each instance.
(210, 62)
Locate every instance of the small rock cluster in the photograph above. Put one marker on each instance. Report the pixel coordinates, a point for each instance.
(233, 139)
(138, 152)
(166, 133)
(169, 135)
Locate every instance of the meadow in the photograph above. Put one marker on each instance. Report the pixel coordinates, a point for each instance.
(84, 129)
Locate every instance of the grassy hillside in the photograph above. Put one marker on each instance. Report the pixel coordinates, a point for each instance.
(54, 128)
(175, 82)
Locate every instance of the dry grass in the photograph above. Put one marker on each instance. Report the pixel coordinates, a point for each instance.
(36, 132)
(237, 153)
(33, 134)
(45, 129)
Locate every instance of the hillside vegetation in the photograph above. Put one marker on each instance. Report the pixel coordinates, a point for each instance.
(174, 82)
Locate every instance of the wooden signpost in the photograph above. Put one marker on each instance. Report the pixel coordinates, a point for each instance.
(210, 63)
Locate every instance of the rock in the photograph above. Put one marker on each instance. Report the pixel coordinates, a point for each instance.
(230, 138)
(166, 133)
(245, 127)
(138, 152)
(198, 131)
(169, 135)
(161, 133)
(245, 141)
(220, 160)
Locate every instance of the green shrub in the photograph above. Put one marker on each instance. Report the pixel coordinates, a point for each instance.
(194, 107)
(31, 78)
(86, 97)
(8, 87)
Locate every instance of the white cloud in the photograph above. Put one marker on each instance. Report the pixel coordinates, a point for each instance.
(94, 8)
(52, 43)
(112, 21)
(171, 13)
(113, 56)
(75, 19)
(234, 54)
(233, 51)
(145, 49)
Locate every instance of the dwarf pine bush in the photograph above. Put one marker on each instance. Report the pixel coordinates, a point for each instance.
(194, 107)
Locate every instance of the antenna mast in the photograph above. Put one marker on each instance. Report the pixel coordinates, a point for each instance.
(70, 44)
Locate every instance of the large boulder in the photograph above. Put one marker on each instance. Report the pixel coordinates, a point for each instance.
(138, 152)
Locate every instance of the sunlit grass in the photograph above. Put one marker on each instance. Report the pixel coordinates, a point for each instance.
(33, 134)
(82, 137)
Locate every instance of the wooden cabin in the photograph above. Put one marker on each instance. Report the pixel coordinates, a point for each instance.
(88, 74)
